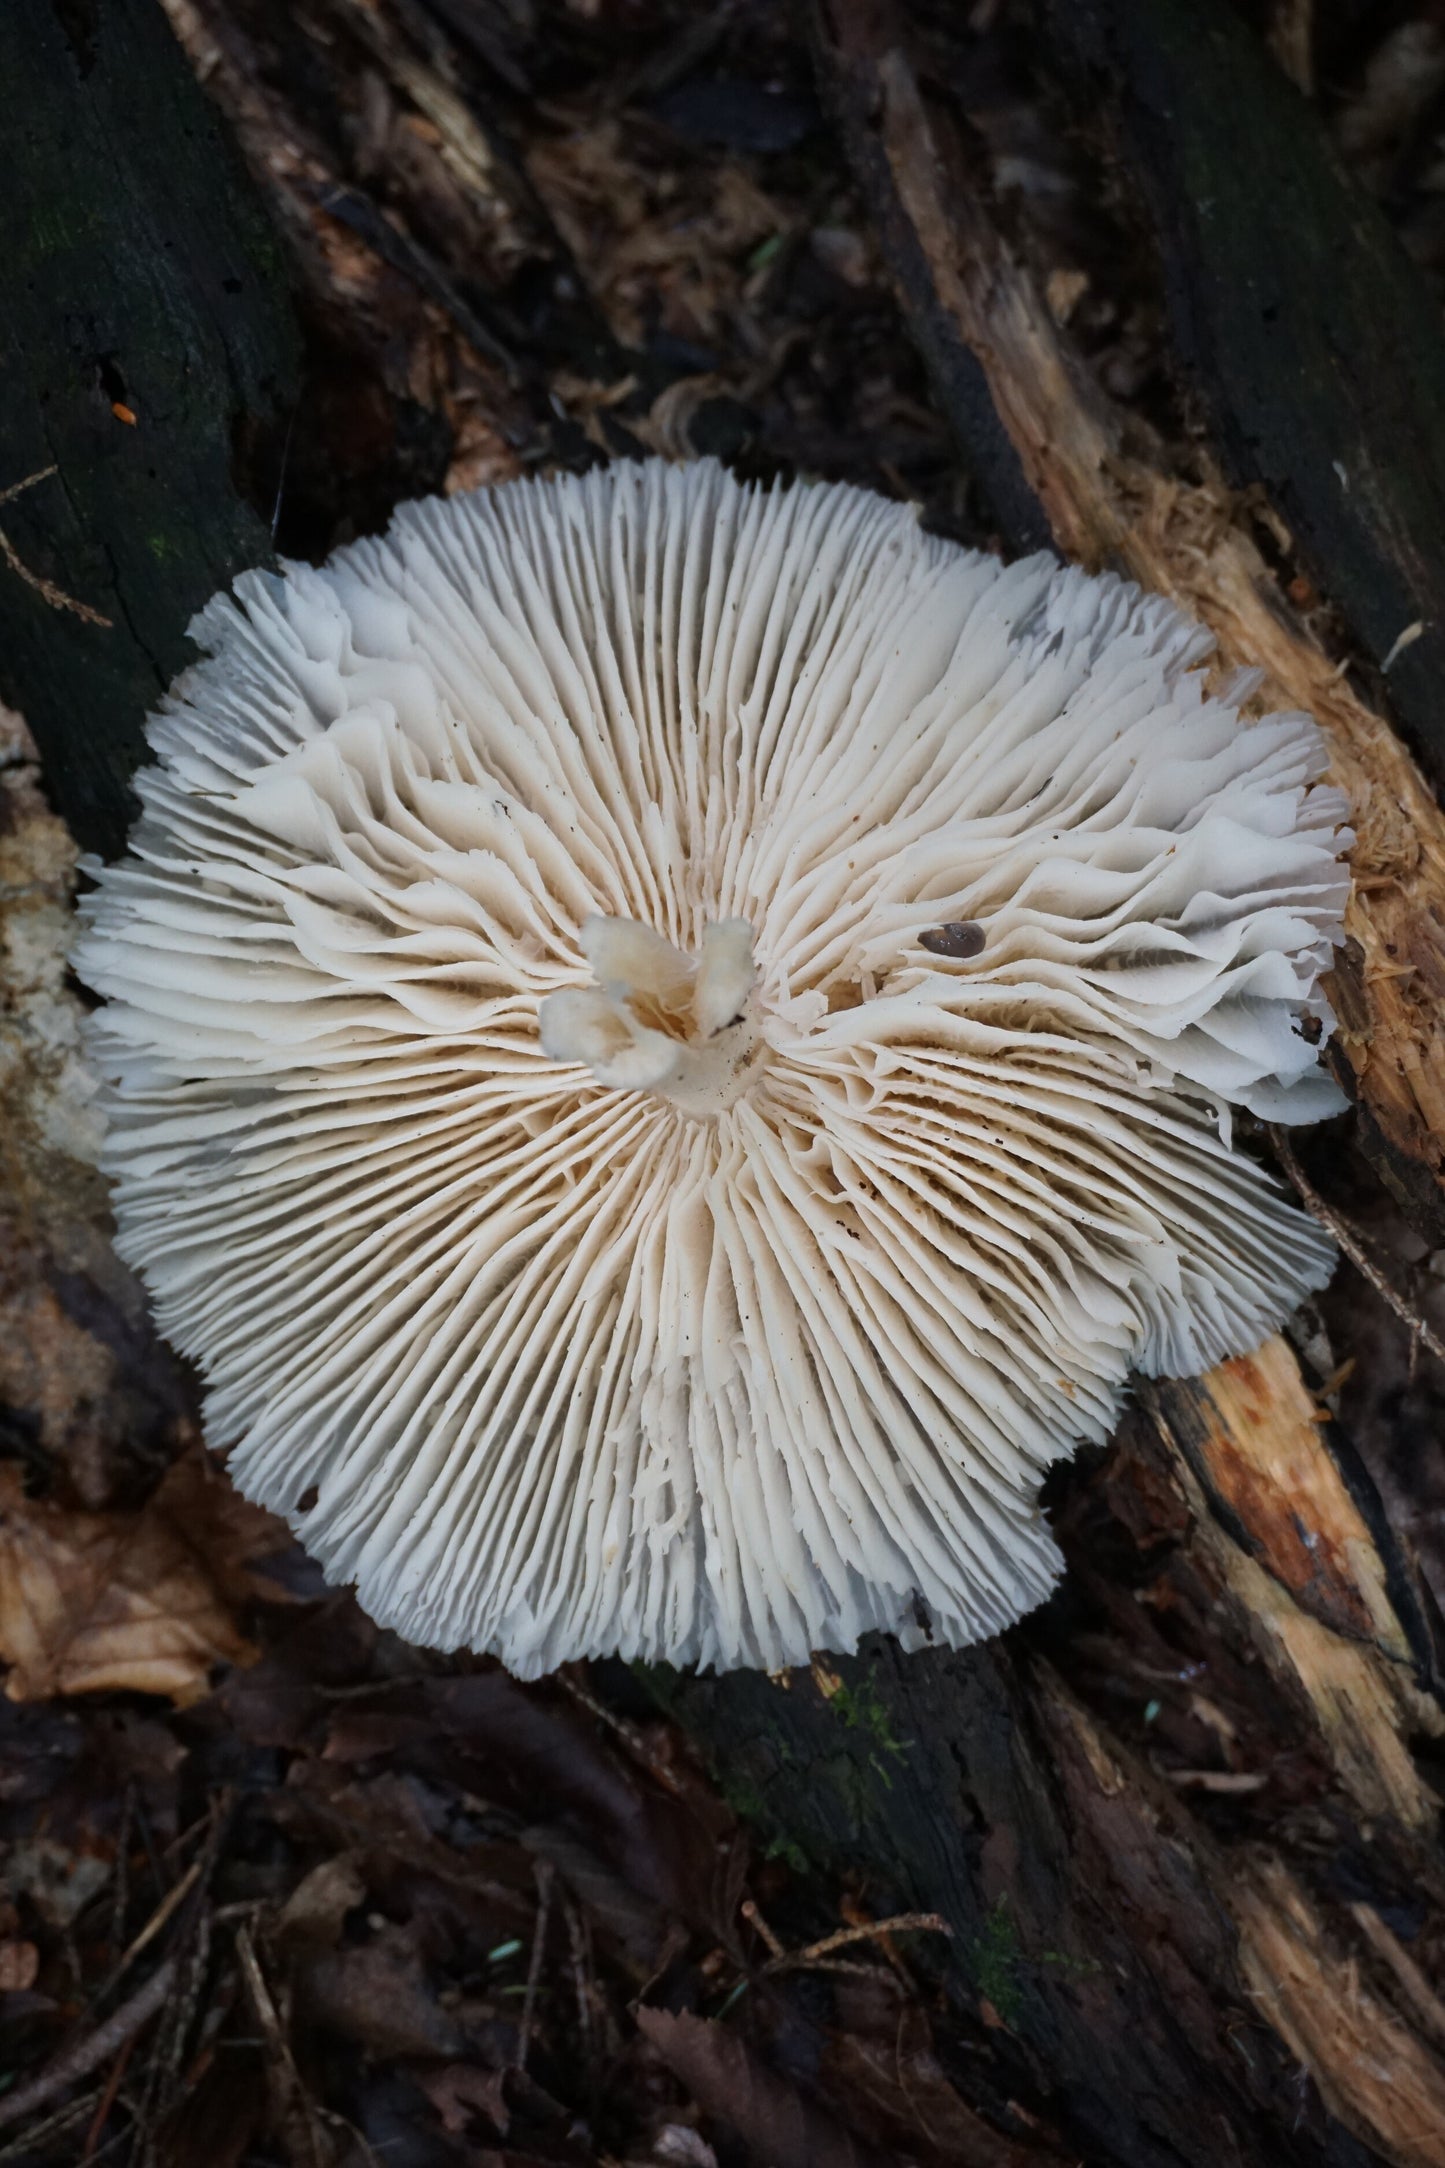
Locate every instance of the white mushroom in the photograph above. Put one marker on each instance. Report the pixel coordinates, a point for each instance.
(902, 927)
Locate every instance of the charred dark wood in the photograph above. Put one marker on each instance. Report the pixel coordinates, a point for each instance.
(1086, 1934)
(957, 372)
(1114, 497)
(145, 342)
(1120, 1892)
(1316, 341)
(1180, 1823)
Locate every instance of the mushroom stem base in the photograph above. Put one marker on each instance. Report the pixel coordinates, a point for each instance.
(659, 1020)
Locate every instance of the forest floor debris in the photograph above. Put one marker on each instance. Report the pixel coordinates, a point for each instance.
(273, 1886)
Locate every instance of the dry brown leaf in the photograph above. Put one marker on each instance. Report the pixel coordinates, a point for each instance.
(229, 1535)
(378, 1996)
(879, 2068)
(315, 1912)
(19, 1964)
(729, 2080)
(100, 1602)
(460, 2091)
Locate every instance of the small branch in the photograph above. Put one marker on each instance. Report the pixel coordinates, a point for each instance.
(872, 1931)
(97, 2048)
(26, 2146)
(294, 2095)
(752, 1914)
(200, 1871)
(634, 1740)
(168, 1906)
(545, 1874)
(819, 1956)
(267, 2015)
(18, 489)
(1421, 1333)
(46, 589)
(579, 1945)
(107, 2101)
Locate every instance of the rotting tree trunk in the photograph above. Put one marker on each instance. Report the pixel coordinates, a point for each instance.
(1156, 1965)
(1162, 1962)
(145, 341)
(1111, 497)
(1218, 1956)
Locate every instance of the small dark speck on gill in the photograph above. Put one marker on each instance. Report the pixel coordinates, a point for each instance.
(959, 937)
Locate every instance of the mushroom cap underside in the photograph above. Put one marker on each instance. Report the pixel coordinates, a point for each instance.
(902, 927)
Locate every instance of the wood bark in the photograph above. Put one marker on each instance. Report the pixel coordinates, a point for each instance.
(1312, 337)
(146, 345)
(1198, 1969)
(1158, 1949)
(1112, 497)
(1221, 1954)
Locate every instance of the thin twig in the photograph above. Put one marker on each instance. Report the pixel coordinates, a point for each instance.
(900, 2075)
(135, 2138)
(107, 2101)
(580, 1948)
(545, 1873)
(847, 1965)
(46, 589)
(97, 2048)
(634, 1740)
(18, 489)
(169, 1904)
(260, 1996)
(1354, 1249)
(74, 2111)
(278, 2046)
(148, 1839)
(873, 1931)
(818, 1956)
(171, 1901)
(753, 1915)
(120, 1887)
(193, 1960)
(191, 1950)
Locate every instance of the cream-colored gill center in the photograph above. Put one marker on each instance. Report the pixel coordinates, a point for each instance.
(659, 1020)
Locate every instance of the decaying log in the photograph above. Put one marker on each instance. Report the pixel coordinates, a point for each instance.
(145, 339)
(1119, 1921)
(1182, 1823)
(1296, 312)
(1293, 1535)
(1233, 1550)
(1111, 498)
(430, 347)
(1374, 2072)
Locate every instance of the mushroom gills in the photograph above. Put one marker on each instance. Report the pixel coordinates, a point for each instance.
(659, 1020)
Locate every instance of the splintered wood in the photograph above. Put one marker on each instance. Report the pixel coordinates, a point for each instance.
(1111, 501)
(1373, 2072)
(1303, 1572)
(1308, 1577)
